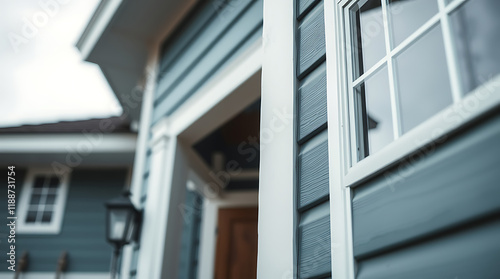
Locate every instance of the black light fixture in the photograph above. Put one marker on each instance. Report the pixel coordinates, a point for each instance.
(123, 221)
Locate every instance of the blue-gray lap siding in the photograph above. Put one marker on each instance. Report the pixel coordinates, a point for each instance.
(211, 36)
(436, 214)
(83, 227)
(190, 242)
(312, 176)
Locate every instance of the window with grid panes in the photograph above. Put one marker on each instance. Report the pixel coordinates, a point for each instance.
(42, 202)
(43, 199)
(410, 59)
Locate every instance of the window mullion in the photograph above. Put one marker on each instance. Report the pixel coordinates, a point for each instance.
(353, 132)
(43, 200)
(391, 67)
(451, 55)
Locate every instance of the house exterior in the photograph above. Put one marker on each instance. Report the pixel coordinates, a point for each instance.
(62, 174)
(376, 150)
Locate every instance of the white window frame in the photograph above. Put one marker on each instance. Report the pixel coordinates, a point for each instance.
(433, 130)
(343, 177)
(54, 227)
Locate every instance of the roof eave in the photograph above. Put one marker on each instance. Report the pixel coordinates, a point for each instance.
(97, 25)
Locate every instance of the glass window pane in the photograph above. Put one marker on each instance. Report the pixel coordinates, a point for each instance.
(50, 200)
(47, 216)
(39, 181)
(31, 217)
(368, 43)
(476, 31)
(424, 86)
(54, 182)
(377, 119)
(409, 15)
(35, 199)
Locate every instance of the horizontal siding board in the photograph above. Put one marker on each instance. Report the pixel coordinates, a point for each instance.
(314, 244)
(247, 29)
(440, 190)
(311, 41)
(472, 253)
(312, 111)
(83, 229)
(313, 172)
(305, 6)
(185, 37)
(216, 26)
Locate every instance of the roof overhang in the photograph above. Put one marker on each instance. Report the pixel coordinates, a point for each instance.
(72, 150)
(123, 35)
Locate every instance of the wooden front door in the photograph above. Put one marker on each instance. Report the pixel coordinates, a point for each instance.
(236, 256)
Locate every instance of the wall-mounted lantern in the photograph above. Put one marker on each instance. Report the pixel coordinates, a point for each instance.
(123, 222)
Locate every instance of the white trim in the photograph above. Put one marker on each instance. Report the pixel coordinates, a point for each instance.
(52, 275)
(156, 208)
(64, 143)
(208, 237)
(277, 161)
(434, 130)
(54, 227)
(391, 69)
(126, 258)
(200, 172)
(95, 28)
(144, 128)
(158, 256)
(340, 198)
(450, 52)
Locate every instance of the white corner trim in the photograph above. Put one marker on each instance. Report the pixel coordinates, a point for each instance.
(157, 211)
(277, 164)
(96, 26)
(160, 131)
(56, 222)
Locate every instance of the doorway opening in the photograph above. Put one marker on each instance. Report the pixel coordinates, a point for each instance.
(223, 184)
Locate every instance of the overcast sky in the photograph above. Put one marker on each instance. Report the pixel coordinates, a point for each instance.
(42, 76)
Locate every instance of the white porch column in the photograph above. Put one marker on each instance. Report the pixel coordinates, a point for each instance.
(162, 223)
(276, 207)
(141, 149)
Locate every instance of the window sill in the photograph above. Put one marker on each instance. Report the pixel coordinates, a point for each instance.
(433, 131)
